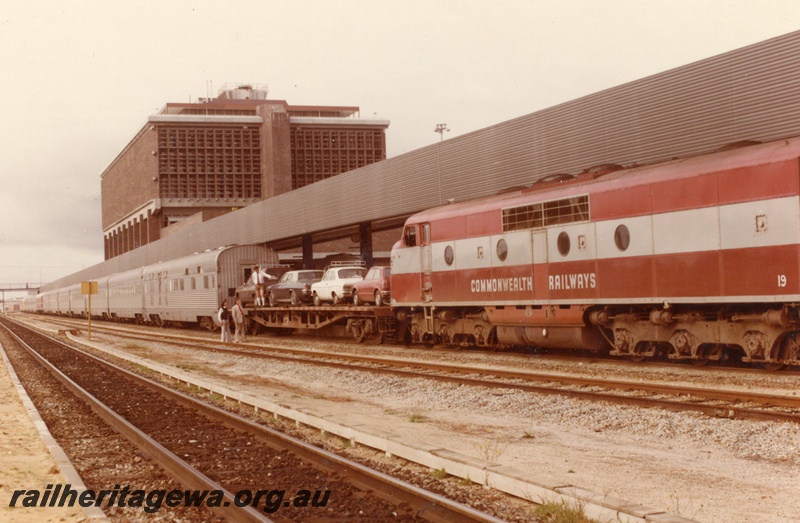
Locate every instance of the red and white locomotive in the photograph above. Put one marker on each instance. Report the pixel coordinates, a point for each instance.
(694, 258)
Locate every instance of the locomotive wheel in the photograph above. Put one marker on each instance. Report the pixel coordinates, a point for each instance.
(378, 299)
(772, 366)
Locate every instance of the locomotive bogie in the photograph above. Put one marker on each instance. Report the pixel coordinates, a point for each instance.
(703, 334)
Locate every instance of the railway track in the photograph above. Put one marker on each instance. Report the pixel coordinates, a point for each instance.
(254, 471)
(716, 402)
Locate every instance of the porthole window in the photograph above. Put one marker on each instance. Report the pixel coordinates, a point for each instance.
(563, 243)
(622, 237)
(502, 249)
(449, 255)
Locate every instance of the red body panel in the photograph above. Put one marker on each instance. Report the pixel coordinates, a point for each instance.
(693, 272)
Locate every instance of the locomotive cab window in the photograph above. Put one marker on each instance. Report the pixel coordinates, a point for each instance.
(410, 236)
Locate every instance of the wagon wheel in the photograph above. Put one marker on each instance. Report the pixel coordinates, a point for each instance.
(359, 333)
(253, 327)
(378, 338)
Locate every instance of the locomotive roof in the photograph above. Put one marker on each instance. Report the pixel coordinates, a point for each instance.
(749, 155)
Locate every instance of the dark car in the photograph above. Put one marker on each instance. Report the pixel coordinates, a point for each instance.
(294, 287)
(376, 287)
(247, 292)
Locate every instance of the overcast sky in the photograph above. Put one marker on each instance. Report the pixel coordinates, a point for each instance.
(80, 78)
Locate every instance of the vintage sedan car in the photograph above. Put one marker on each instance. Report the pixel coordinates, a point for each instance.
(247, 291)
(336, 284)
(375, 288)
(294, 287)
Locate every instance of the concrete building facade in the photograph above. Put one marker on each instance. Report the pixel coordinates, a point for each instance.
(192, 162)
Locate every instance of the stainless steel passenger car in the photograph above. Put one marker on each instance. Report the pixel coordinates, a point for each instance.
(186, 290)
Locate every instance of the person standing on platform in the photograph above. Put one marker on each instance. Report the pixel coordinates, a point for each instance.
(238, 321)
(224, 319)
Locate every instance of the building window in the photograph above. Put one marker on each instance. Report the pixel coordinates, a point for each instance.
(209, 162)
(319, 153)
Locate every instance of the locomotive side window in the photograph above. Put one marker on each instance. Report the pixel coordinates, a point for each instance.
(563, 243)
(546, 214)
(502, 249)
(449, 256)
(622, 237)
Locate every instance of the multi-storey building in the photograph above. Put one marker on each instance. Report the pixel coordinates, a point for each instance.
(195, 161)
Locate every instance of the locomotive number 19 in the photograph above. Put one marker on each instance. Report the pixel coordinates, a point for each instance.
(781, 280)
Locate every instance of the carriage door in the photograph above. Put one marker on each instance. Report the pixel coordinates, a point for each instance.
(425, 261)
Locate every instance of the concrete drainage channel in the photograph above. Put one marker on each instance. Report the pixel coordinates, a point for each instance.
(503, 478)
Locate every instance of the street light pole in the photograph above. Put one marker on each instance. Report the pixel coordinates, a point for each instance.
(441, 128)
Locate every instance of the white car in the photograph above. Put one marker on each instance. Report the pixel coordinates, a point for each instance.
(336, 284)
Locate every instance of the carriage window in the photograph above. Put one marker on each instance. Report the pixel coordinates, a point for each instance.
(449, 255)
